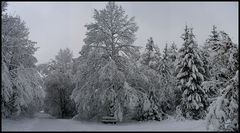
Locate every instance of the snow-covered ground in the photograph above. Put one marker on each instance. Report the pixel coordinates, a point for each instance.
(43, 122)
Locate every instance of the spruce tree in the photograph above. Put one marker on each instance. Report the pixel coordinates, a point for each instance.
(168, 81)
(173, 52)
(221, 55)
(151, 56)
(190, 72)
(222, 88)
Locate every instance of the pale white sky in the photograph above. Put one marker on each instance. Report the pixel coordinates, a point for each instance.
(55, 25)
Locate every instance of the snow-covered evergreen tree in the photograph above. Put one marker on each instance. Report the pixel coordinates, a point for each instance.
(151, 56)
(213, 42)
(172, 82)
(22, 85)
(222, 57)
(224, 84)
(219, 48)
(190, 73)
(165, 63)
(156, 68)
(150, 60)
(173, 53)
(149, 81)
(168, 80)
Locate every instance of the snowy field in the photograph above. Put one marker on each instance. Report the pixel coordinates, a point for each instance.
(43, 122)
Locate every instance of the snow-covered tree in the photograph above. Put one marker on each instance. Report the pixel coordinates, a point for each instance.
(219, 48)
(213, 42)
(7, 90)
(190, 73)
(22, 85)
(166, 68)
(165, 62)
(151, 56)
(101, 85)
(107, 75)
(59, 86)
(29, 92)
(112, 31)
(156, 68)
(223, 112)
(173, 53)
(222, 57)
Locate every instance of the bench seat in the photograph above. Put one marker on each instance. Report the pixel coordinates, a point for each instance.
(107, 119)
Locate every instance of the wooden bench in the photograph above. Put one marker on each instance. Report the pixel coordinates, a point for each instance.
(109, 119)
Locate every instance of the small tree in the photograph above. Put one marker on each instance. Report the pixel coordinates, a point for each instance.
(151, 56)
(173, 54)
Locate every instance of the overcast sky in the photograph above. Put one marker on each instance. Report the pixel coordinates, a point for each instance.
(55, 25)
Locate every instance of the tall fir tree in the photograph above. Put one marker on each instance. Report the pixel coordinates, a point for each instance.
(190, 72)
